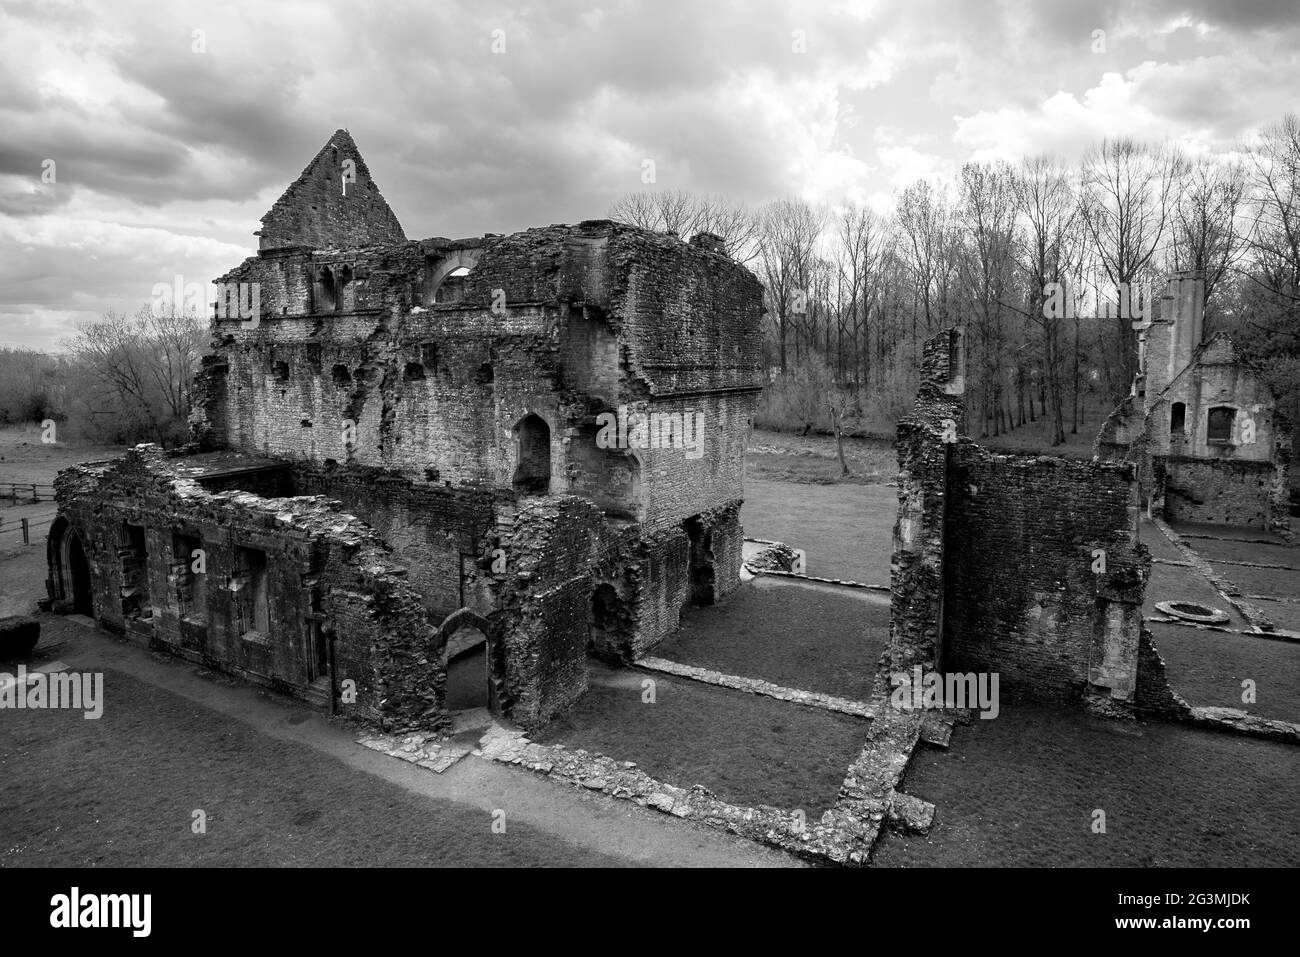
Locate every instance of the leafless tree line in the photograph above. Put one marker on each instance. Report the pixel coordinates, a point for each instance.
(857, 291)
(120, 378)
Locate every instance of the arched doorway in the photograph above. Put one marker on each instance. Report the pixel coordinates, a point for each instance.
(533, 447)
(69, 578)
(466, 655)
(468, 675)
(79, 578)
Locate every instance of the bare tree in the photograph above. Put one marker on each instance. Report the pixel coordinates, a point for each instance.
(1274, 239)
(685, 214)
(1047, 252)
(137, 371)
(1205, 235)
(986, 218)
(921, 216)
(859, 249)
(788, 236)
(1128, 191)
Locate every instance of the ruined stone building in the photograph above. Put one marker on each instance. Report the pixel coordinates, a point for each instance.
(1201, 424)
(404, 455)
(1026, 566)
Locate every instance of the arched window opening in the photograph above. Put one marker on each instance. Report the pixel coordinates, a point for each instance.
(345, 291)
(609, 477)
(533, 444)
(452, 287)
(325, 293)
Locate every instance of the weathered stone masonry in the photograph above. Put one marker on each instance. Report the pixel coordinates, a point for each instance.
(1027, 566)
(436, 401)
(1201, 424)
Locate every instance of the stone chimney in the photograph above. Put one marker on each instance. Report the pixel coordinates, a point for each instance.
(1174, 333)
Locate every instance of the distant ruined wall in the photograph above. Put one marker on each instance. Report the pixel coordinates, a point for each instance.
(1187, 390)
(1226, 491)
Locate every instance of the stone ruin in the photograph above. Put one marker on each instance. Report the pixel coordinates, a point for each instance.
(1025, 566)
(528, 447)
(1200, 423)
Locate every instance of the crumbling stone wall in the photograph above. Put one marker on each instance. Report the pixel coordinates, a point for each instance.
(432, 530)
(1231, 492)
(543, 604)
(1023, 538)
(321, 568)
(1021, 565)
(448, 395)
(923, 442)
(440, 388)
(1164, 426)
(334, 202)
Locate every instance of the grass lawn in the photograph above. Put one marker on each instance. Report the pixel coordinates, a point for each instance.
(1157, 544)
(120, 791)
(789, 633)
(1207, 668)
(745, 748)
(1175, 583)
(846, 530)
(1279, 582)
(22, 572)
(813, 459)
(25, 458)
(1035, 436)
(1227, 550)
(1283, 614)
(1020, 790)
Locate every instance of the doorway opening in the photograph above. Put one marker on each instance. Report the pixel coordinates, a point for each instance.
(79, 574)
(533, 444)
(469, 678)
(703, 575)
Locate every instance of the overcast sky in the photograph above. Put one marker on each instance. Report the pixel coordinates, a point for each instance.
(168, 146)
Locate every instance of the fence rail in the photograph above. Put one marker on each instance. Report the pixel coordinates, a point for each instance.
(25, 527)
(26, 492)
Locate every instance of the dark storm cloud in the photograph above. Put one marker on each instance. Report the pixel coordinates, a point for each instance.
(167, 156)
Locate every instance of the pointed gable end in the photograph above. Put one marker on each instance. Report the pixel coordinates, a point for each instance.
(333, 204)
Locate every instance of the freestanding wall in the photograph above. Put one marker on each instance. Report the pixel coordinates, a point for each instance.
(1024, 566)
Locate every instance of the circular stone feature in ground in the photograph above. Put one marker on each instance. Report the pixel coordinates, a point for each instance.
(1191, 611)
